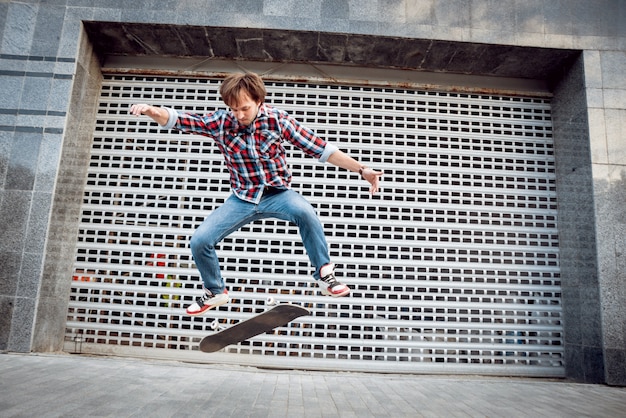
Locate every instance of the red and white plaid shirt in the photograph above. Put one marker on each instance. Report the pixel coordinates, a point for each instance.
(254, 154)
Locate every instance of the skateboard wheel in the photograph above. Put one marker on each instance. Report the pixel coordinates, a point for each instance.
(270, 301)
(214, 325)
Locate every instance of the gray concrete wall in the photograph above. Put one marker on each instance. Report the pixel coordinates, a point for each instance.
(577, 232)
(49, 82)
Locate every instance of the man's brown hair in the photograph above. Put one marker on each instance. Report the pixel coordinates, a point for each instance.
(235, 84)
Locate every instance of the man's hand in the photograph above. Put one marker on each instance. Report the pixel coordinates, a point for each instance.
(159, 115)
(343, 160)
(140, 109)
(373, 178)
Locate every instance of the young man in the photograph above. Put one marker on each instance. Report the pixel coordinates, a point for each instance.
(250, 136)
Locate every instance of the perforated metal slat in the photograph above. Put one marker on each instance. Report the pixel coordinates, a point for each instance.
(454, 266)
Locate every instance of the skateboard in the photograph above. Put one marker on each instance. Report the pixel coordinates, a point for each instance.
(277, 316)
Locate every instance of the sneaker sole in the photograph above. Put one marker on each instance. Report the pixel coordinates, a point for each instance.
(203, 311)
(335, 295)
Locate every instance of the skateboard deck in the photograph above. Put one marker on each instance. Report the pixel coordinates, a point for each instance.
(277, 316)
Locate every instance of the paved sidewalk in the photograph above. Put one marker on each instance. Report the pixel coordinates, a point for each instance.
(63, 385)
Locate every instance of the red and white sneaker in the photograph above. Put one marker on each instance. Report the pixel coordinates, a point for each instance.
(206, 302)
(329, 284)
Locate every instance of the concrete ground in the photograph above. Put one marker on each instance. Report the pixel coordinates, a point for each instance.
(63, 385)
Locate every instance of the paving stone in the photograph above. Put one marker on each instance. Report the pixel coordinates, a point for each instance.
(55, 385)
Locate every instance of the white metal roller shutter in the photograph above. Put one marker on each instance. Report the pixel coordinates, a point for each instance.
(454, 266)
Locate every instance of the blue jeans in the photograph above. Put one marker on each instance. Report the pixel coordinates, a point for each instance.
(235, 213)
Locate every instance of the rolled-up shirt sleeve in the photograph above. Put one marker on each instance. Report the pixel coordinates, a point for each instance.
(329, 149)
(172, 118)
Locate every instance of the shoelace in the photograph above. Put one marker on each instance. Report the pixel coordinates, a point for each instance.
(330, 280)
(204, 298)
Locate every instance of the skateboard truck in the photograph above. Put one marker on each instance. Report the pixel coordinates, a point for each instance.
(215, 325)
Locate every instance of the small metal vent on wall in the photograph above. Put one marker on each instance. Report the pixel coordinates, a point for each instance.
(453, 266)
